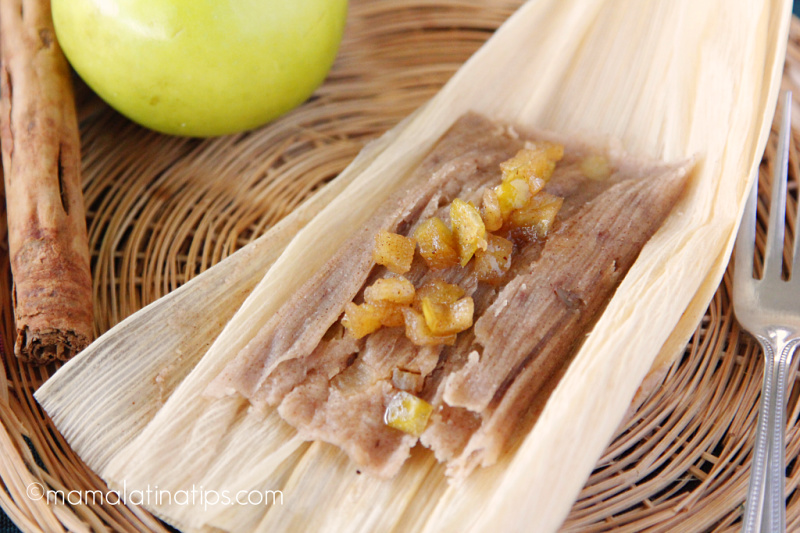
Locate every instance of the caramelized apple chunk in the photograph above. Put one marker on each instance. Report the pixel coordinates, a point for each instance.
(408, 413)
(395, 290)
(387, 296)
(437, 244)
(390, 314)
(491, 265)
(448, 319)
(394, 251)
(361, 320)
(537, 160)
(526, 174)
(512, 195)
(437, 291)
(420, 334)
(539, 214)
(469, 229)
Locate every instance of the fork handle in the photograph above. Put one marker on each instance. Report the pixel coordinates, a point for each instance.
(774, 520)
(766, 503)
(754, 504)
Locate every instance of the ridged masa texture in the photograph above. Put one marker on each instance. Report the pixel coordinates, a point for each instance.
(163, 210)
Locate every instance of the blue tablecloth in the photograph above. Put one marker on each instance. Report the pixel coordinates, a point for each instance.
(6, 525)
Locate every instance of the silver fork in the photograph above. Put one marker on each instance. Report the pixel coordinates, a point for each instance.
(769, 309)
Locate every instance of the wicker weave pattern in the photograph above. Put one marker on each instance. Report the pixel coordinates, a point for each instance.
(163, 209)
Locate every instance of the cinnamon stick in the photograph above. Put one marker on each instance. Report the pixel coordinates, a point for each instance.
(48, 246)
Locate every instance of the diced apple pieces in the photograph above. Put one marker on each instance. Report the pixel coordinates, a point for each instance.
(361, 320)
(448, 319)
(436, 312)
(387, 297)
(390, 314)
(395, 290)
(469, 229)
(537, 160)
(492, 265)
(512, 195)
(437, 244)
(394, 251)
(533, 209)
(539, 214)
(524, 176)
(438, 291)
(419, 333)
(408, 413)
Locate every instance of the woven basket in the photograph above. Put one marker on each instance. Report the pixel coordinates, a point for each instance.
(163, 209)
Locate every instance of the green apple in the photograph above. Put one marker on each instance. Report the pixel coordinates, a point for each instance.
(201, 67)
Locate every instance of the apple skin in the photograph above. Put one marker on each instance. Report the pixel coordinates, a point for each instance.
(201, 68)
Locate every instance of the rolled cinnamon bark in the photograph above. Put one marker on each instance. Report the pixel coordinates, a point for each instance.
(48, 245)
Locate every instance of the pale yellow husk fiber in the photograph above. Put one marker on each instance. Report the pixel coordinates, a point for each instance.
(666, 79)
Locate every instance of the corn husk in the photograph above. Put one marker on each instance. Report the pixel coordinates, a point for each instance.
(666, 79)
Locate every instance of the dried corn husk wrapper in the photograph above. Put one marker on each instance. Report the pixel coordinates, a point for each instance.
(668, 80)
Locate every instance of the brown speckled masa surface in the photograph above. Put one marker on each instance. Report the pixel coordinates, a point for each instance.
(163, 209)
